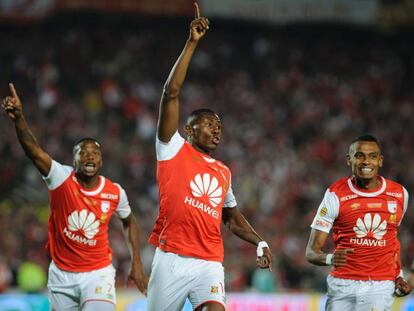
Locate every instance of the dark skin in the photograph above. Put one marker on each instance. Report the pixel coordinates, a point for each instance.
(203, 134)
(365, 160)
(87, 162)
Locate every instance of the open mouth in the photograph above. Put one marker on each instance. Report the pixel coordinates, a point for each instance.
(90, 167)
(216, 140)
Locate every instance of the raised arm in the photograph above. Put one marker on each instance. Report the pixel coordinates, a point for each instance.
(237, 224)
(316, 255)
(14, 109)
(169, 107)
(136, 273)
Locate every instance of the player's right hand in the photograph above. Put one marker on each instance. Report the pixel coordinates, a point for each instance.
(198, 26)
(339, 256)
(12, 105)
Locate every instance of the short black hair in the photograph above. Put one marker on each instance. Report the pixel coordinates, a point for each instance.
(77, 143)
(366, 137)
(192, 118)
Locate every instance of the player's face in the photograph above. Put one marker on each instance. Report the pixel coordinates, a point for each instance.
(88, 159)
(205, 134)
(365, 159)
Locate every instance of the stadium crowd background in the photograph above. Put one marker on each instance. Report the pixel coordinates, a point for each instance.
(291, 99)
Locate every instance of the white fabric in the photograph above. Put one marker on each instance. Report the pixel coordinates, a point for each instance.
(124, 209)
(351, 295)
(71, 290)
(327, 212)
(57, 175)
(260, 246)
(167, 151)
(175, 278)
(406, 197)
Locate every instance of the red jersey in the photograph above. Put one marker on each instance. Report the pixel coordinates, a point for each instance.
(78, 223)
(193, 189)
(366, 221)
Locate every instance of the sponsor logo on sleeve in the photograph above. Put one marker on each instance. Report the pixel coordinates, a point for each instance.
(323, 211)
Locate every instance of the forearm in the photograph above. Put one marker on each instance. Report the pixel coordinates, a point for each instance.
(178, 73)
(131, 234)
(316, 257)
(244, 230)
(26, 138)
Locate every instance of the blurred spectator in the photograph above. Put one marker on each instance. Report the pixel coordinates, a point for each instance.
(290, 99)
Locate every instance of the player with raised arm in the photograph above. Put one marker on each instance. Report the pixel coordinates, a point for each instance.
(364, 211)
(81, 275)
(195, 196)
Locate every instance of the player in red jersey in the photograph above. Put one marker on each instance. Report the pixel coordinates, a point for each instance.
(364, 211)
(81, 275)
(195, 197)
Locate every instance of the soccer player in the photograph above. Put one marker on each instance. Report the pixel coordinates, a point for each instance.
(195, 195)
(364, 211)
(81, 275)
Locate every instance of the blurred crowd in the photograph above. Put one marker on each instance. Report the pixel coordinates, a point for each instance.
(291, 100)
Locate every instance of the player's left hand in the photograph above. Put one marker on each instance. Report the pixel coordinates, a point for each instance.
(265, 261)
(402, 288)
(138, 277)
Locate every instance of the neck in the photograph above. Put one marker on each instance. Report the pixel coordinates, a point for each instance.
(87, 181)
(367, 184)
(198, 148)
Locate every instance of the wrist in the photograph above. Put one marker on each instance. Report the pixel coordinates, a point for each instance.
(329, 259)
(260, 246)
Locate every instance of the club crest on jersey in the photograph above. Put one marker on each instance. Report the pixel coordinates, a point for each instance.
(214, 289)
(392, 206)
(370, 231)
(105, 205)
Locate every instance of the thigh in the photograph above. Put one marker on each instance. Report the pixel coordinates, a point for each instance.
(376, 295)
(168, 286)
(63, 291)
(208, 287)
(62, 302)
(98, 285)
(341, 295)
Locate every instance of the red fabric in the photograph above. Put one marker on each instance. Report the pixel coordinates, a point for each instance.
(78, 225)
(375, 251)
(188, 223)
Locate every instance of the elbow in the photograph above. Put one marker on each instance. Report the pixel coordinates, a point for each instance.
(171, 91)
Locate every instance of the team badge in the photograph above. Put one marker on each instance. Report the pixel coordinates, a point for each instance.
(323, 211)
(392, 207)
(98, 290)
(214, 289)
(105, 206)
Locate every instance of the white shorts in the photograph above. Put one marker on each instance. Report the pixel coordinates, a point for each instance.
(175, 278)
(344, 295)
(77, 288)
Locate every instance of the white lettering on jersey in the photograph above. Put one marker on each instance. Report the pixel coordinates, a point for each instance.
(202, 207)
(395, 194)
(109, 196)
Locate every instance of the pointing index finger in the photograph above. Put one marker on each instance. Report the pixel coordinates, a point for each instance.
(197, 10)
(13, 90)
